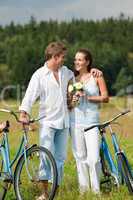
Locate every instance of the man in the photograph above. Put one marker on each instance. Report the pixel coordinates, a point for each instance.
(49, 83)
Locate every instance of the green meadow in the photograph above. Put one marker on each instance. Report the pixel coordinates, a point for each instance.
(69, 187)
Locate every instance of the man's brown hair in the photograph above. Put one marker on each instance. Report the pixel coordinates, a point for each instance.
(54, 49)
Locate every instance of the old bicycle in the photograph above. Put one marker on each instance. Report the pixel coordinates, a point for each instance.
(26, 176)
(119, 171)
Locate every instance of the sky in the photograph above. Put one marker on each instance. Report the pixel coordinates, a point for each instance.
(20, 11)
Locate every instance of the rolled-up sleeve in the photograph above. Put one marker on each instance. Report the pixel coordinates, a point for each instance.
(70, 75)
(32, 93)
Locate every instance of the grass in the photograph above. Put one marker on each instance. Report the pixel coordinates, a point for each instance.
(69, 186)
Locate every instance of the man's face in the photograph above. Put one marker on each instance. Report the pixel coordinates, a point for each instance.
(60, 59)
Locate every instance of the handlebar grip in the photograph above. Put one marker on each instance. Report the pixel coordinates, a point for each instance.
(31, 121)
(125, 112)
(91, 127)
(7, 124)
(86, 129)
(4, 110)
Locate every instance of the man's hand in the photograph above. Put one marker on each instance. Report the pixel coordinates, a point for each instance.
(2, 126)
(96, 72)
(24, 117)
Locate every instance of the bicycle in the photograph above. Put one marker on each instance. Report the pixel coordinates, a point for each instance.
(31, 162)
(116, 171)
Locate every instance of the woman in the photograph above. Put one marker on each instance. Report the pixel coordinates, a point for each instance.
(84, 112)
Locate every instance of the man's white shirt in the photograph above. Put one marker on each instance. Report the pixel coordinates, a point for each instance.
(53, 96)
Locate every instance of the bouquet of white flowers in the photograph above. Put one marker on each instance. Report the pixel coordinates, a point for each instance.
(74, 89)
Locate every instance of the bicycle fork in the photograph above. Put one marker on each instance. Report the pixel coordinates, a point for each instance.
(108, 157)
(118, 151)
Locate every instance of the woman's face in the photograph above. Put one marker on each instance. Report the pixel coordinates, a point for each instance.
(80, 62)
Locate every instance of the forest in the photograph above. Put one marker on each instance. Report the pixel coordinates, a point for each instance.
(109, 40)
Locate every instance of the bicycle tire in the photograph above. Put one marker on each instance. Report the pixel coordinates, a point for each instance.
(110, 180)
(25, 188)
(3, 182)
(104, 165)
(126, 172)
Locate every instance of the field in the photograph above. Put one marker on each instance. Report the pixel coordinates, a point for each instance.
(69, 187)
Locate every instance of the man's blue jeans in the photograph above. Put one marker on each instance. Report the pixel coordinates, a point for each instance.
(55, 140)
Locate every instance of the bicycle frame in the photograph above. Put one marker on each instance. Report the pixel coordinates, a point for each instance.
(114, 168)
(104, 147)
(121, 170)
(23, 158)
(5, 151)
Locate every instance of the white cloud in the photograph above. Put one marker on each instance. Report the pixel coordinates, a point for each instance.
(13, 14)
(98, 9)
(20, 11)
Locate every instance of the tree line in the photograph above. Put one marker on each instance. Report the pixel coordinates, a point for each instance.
(109, 40)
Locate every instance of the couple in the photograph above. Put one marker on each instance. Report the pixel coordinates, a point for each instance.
(50, 84)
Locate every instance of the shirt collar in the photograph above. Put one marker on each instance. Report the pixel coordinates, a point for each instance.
(47, 70)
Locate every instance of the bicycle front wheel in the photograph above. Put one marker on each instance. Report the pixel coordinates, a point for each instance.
(3, 180)
(110, 180)
(126, 172)
(36, 175)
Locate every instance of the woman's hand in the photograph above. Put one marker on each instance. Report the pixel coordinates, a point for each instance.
(96, 72)
(77, 95)
(75, 98)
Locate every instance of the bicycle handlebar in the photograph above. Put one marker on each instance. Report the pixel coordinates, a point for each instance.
(17, 119)
(106, 123)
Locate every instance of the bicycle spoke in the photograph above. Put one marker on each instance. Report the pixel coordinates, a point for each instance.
(3, 184)
(110, 180)
(36, 177)
(126, 172)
